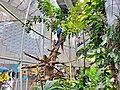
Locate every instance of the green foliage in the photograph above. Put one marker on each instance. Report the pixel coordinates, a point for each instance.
(46, 7)
(92, 19)
(56, 15)
(94, 79)
(104, 41)
(84, 15)
(47, 86)
(65, 85)
(29, 23)
(113, 36)
(52, 16)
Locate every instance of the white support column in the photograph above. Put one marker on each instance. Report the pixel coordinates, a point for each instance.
(27, 83)
(20, 75)
(22, 45)
(42, 38)
(16, 85)
(75, 47)
(51, 39)
(70, 66)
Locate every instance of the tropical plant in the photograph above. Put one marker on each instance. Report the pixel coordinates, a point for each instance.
(51, 16)
(47, 86)
(103, 47)
(93, 80)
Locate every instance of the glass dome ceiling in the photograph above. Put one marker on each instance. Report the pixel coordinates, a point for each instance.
(22, 5)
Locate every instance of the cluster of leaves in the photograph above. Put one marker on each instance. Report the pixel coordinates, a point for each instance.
(52, 16)
(47, 86)
(90, 81)
(29, 23)
(103, 46)
(93, 20)
(48, 10)
(113, 36)
(84, 15)
(91, 16)
(46, 7)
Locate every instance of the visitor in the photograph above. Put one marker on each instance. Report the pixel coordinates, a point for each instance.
(4, 84)
(12, 77)
(11, 74)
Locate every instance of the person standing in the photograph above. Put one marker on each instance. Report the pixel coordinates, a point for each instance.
(4, 81)
(11, 74)
(12, 77)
